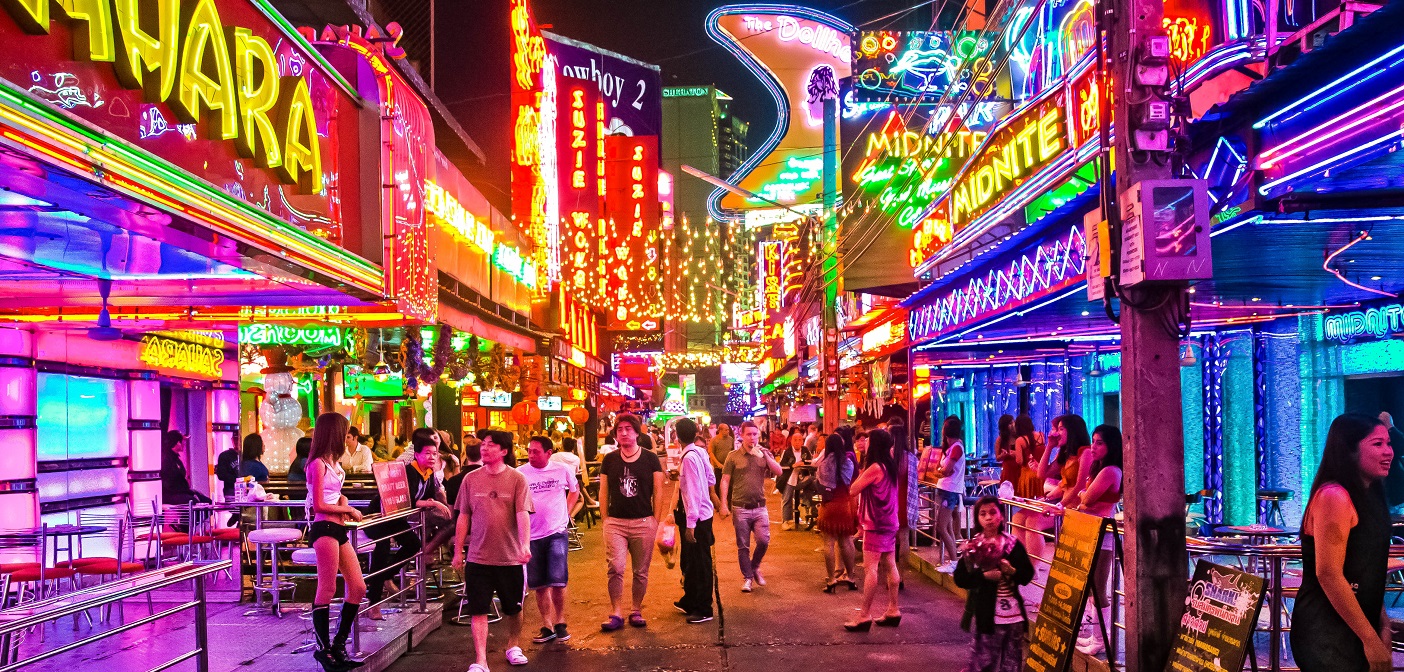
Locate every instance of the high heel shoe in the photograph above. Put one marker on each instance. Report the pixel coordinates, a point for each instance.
(861, 626)
(829, 588)
(852, 585)
(890, 621)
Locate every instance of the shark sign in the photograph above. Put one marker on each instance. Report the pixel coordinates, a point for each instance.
(798, 54)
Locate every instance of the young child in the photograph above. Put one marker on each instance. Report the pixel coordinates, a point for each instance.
(992, 567)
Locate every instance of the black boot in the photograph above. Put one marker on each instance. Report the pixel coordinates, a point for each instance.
(345, 624)
(321, 630)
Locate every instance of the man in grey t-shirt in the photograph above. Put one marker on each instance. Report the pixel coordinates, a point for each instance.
(743, 488)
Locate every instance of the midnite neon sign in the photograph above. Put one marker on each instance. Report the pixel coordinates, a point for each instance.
(1378, 322)
(198, 66)
(1017, 150)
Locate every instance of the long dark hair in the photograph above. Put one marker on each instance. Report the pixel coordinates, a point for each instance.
(1006, 431)
(253, 447)
(1075, 433)
(329, 438)
(1112, 437)
(880, 451)
(952, 430)
(1340, 459)
(834, 446)
(1024, 428)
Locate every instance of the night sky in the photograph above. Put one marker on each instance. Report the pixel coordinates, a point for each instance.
(473, 67)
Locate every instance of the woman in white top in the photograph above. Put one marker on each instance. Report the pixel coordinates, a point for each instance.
(331, 539)
(950, 486)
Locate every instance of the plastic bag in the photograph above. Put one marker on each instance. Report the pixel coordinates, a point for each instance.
(668, 543)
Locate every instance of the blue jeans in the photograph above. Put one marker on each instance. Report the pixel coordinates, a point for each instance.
(747, 522)
(787, 502)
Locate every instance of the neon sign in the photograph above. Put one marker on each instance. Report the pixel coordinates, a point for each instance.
(1189, 41)
(579, 149)
(278, 334)
(631, 245)
(1020, 148)
(788, 49)
(769, 271)
(1377, 322)
(164, 353)
(905, 170)
(1052, 266)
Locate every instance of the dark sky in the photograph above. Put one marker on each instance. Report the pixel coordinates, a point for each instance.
(473, 66)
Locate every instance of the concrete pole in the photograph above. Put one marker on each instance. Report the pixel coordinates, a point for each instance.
(1153, 490)
(828, 355)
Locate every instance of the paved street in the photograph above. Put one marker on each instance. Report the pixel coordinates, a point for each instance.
(789, 625)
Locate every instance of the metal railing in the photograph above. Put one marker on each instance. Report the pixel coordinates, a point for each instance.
(417, 527)
(15, 620)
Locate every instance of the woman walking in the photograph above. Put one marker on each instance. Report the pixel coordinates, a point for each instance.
(837, 522)
(330, 537)
(1339, 621)
(876, 488)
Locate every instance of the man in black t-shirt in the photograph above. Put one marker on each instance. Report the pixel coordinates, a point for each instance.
(631, 497)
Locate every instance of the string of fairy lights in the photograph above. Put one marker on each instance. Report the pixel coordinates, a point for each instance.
(708, 272)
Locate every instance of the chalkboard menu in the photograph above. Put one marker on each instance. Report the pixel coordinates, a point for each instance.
(1220, 613)
(393, 485)
(1060, 615)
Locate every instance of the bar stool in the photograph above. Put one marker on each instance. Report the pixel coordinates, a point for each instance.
(272, 537)
(1273, 516)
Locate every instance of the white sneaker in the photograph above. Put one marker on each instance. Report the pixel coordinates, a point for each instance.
(760, 580)
(746, 586)
(947, 567)
(1090, 645)
(515, 656)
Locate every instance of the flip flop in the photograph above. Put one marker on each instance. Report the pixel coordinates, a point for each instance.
(614, 623)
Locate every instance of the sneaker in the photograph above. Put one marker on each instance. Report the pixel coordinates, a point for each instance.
(546, 635)
(515, 656)
(947, 567)
(760, 580)
(699, 618)
(746, 586)
(1091, 645)
(678, 605)
(561, 633)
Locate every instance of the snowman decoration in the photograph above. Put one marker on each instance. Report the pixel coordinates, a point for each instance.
(280, 411)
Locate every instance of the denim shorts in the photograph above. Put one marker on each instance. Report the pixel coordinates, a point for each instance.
(948, 499)
(547, 567)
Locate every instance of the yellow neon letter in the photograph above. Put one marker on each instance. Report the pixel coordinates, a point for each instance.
(139, 53)
(302, 155)
(92, 29)
(205, 52)
(1049, 140)
(31, 15)
(1024, 137)
(256, 70)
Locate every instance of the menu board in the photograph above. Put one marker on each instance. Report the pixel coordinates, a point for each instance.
(1220, 614)
(1060, 616)
(393, 486)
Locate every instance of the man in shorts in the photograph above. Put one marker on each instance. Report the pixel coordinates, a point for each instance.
(494, 504)
(553, 494)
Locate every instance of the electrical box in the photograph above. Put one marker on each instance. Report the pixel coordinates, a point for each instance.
(1098, 267)
(1165, 232)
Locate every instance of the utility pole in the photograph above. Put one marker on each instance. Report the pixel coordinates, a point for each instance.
(1155, 562)
(828, 342)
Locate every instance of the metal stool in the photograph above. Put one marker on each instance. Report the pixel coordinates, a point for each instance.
(271, 537)
(1273, 515)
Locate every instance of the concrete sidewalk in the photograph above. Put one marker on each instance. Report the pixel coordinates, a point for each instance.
(788, 625)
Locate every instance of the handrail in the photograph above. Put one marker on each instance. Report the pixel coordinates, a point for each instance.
(28, 615)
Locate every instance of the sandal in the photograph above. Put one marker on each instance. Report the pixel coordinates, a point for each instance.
(636, 619)
(860, 626)
(831, 587)
(890, 621)
(614, 623)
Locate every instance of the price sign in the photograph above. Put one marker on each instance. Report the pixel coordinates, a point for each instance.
(393, 486)
(1220, 614)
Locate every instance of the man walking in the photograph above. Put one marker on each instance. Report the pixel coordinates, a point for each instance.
(553, 494)
(694, 517)
(743, 487)
(631, 497)
(495, 518)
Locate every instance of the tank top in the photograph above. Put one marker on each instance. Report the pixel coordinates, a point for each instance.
(879, 506)
(956, 481)
(332, 480)
(1321, 640)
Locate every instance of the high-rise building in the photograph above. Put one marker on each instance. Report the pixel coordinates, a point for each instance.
(699, 130)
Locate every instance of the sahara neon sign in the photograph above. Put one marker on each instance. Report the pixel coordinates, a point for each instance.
(204, 70)
(165, 353)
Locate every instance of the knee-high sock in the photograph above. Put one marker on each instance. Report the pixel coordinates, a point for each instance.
(346, 622)
(321, 625)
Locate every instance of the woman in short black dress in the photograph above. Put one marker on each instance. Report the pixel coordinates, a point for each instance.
(1338, 623)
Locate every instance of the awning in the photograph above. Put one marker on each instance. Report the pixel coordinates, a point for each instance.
(478, 326)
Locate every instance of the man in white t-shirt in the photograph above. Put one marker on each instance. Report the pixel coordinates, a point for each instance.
(567, 455)
(554, 490)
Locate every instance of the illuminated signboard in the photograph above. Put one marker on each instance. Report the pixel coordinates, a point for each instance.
(883, 336)
(906, 164)
(630, 90)
(1377, 322)
(548, 403)
(495, 399)
(793, 51)
(278, 334)
(768, 280)
(923, 65)
(580, 186)
(1020, 147)
(216, 87)
(164, 353)
(578, 325)
(630, 260)
(534, 107)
